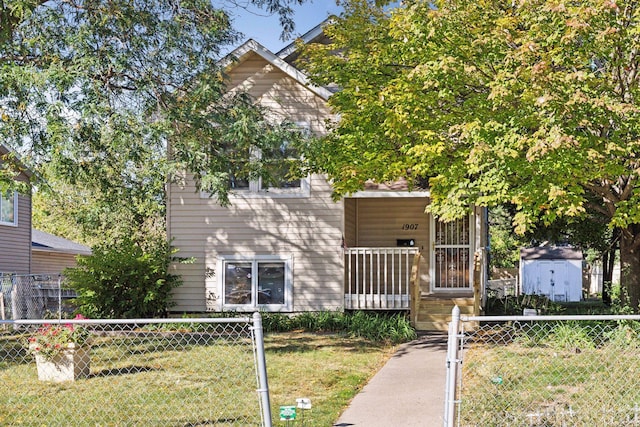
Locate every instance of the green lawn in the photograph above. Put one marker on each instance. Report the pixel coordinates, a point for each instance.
(570, 375)
(151, 381)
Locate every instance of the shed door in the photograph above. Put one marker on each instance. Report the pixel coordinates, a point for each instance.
(451, 260)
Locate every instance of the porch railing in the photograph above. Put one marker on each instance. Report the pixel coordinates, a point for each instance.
(378, 278)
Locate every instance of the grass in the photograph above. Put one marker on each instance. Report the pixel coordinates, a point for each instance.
(326, 368)
(569, 374)
(156, 380)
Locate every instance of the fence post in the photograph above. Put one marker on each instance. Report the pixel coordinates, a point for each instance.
(262, 370)
(452, 369)
(59, 296)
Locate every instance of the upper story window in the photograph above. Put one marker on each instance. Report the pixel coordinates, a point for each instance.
(8, 208)
(275, 169)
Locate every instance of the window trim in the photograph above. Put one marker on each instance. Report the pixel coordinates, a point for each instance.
(255, 189)
(13, 223)
(254, 260)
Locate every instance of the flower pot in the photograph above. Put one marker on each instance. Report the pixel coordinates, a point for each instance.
(70, 364)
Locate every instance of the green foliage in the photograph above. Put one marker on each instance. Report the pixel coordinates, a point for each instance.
(514, 305)
(125, 280)
(571, 336)
(505, 244)
(388, 328)
(92, 93)
(529, 103)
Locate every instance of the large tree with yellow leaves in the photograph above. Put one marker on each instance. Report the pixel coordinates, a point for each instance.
(533, 103)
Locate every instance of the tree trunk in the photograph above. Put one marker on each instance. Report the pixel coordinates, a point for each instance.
(607, 276)
(630, 265)
(608, 263)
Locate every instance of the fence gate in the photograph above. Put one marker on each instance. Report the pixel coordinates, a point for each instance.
(543, 371)
(146, 372)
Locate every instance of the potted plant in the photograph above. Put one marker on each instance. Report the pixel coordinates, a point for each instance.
(61, 351)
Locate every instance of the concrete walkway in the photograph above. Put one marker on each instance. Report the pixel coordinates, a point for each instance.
(408, 391)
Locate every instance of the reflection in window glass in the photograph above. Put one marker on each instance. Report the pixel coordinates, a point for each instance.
(237, 283)
(7, 208)
(280, 163)
(263, 282)
(271, 283)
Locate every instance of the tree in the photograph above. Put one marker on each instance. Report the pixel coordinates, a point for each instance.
(93, 91)
(532, 103)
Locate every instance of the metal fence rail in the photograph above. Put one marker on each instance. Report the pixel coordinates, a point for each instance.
(34, 296)
(146, 372)
(543, 371)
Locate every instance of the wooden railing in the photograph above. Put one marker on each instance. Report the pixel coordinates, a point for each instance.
(378, 278)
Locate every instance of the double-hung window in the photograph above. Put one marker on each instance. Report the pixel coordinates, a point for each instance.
(8, 208)
(260, 282)
(277, 177)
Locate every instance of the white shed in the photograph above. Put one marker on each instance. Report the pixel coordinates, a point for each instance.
(552, 271)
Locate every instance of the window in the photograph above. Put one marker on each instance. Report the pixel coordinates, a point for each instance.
(8, 207)
(277, 163)
(261, 282)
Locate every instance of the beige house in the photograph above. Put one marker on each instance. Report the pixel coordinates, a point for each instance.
(293, 249)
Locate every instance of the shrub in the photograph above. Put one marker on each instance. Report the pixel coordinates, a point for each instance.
(378, 327)
(125, 279)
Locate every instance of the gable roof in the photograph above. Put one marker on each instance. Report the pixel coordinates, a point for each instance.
(252, 46)
(41, 241)
(7, 154)
(306, 38)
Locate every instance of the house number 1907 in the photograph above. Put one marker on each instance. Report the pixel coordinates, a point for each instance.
(409, 226)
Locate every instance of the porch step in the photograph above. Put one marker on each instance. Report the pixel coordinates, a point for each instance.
(434, 312)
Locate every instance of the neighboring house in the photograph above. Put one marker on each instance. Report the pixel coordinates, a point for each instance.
(15, 222)
(293, 249)
(24, 250)
(52, 254)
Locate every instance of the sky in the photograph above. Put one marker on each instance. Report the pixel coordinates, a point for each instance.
(266, 29)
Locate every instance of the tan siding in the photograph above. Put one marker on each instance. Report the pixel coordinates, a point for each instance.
(380, 224)
(279, 92)
(381, 220)
(350, 224)
(51, 262)
(15, 242)
(309, 229)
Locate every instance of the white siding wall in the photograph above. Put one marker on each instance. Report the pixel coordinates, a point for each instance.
(308, 228)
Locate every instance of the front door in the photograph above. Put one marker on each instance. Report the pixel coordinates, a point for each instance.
(451, 257)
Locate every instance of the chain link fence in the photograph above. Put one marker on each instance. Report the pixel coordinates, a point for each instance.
(34, 296)
(543, 371)
(169, 372)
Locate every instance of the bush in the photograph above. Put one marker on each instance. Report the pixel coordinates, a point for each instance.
(125, 280)
(378, 327)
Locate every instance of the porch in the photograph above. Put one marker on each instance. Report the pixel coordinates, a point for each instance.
(380, 278)
(430, 269)
(389, 279)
